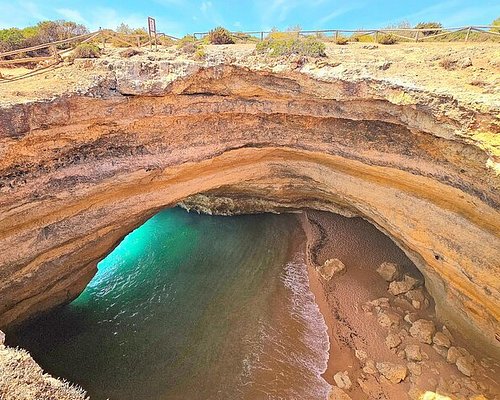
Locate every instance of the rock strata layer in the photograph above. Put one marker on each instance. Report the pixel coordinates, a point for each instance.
(80, 171)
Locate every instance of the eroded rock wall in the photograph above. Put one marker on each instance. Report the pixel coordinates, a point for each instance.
(78, 172)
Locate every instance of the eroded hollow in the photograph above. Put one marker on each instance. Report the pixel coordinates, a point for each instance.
(207, 307)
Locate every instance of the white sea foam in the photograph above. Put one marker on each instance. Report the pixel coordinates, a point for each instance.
(296, 344)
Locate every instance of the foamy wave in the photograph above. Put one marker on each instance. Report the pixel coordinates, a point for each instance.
(301, 352)
(305, 308)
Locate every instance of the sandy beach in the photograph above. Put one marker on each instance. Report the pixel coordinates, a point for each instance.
(357, 329)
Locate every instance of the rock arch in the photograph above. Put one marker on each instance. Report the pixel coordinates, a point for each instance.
(78, 172)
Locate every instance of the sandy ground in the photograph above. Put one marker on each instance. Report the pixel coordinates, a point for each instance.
(342, 300)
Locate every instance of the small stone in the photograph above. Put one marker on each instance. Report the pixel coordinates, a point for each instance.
(453, 355)
(330, 268)
(464, 63)
(395, 373)
(423, 330)
(412, 352)
(388, 318)
(416, 294)
(416, 304)
(361, 355)
(415, 369)
(465, 366)
(392, 341)
(441, 339)
(369, 367)
(411, 317)
(337, 393)
(342, 380)
(400, 287)
(441, 350)
(380, 302)
(389, 271)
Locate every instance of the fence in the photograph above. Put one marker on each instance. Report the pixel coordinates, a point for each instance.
(104, 35)
(408, 34)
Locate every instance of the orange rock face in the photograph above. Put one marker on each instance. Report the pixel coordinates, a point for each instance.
(80, 171)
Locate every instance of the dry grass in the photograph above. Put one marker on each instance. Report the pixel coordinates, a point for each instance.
(22, 379)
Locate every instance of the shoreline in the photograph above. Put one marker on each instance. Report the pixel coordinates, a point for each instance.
(320, 296)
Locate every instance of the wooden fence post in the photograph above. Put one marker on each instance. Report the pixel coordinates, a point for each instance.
(376, 36)
(261, 36)
(468, 33)
(336, 36)
(416, 36)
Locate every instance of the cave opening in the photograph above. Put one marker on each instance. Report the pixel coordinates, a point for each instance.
(198, 306)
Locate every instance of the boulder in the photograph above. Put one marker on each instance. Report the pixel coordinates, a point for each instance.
(330, 268)
(388, 318)
(440, 339)
(337, 393)
(423, 330)
(411, 317)
(342, 380)
(465, 366)
(453, 355)
(395, 373)
(412, 352)
(441, 350)
(370, 368)
(392, 341)
(415, 369)
(400, 287)
(389, 271)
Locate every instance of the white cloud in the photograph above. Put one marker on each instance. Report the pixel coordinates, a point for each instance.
(72, 15)
(205, 5)
(337, 13)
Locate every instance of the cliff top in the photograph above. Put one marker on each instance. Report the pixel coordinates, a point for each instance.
(469, 72)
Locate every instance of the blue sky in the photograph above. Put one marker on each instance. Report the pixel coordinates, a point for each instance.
(178, 17)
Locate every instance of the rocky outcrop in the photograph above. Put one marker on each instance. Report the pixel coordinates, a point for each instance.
(21, 378)
(81, 170)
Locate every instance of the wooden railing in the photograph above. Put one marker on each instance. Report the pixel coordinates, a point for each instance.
(103, 36)
(409, 34)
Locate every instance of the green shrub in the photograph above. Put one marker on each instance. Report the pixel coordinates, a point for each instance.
(220, 35)
(286, 44)
(387, 38)
(191, 46)
(496, 24)
(10, 39)
(86, 50)
(433, 28)
(364, 38)
(342, 40)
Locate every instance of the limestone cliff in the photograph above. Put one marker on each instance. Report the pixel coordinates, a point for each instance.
(83, 166)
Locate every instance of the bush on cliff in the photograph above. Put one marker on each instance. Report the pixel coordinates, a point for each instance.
(433, 28)
(387, 38)
(86, 50)
(288, 43)
(220, 35)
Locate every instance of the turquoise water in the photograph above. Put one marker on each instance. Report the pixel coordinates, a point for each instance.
(192, 307)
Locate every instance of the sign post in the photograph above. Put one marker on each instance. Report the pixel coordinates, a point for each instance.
(152, 32)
